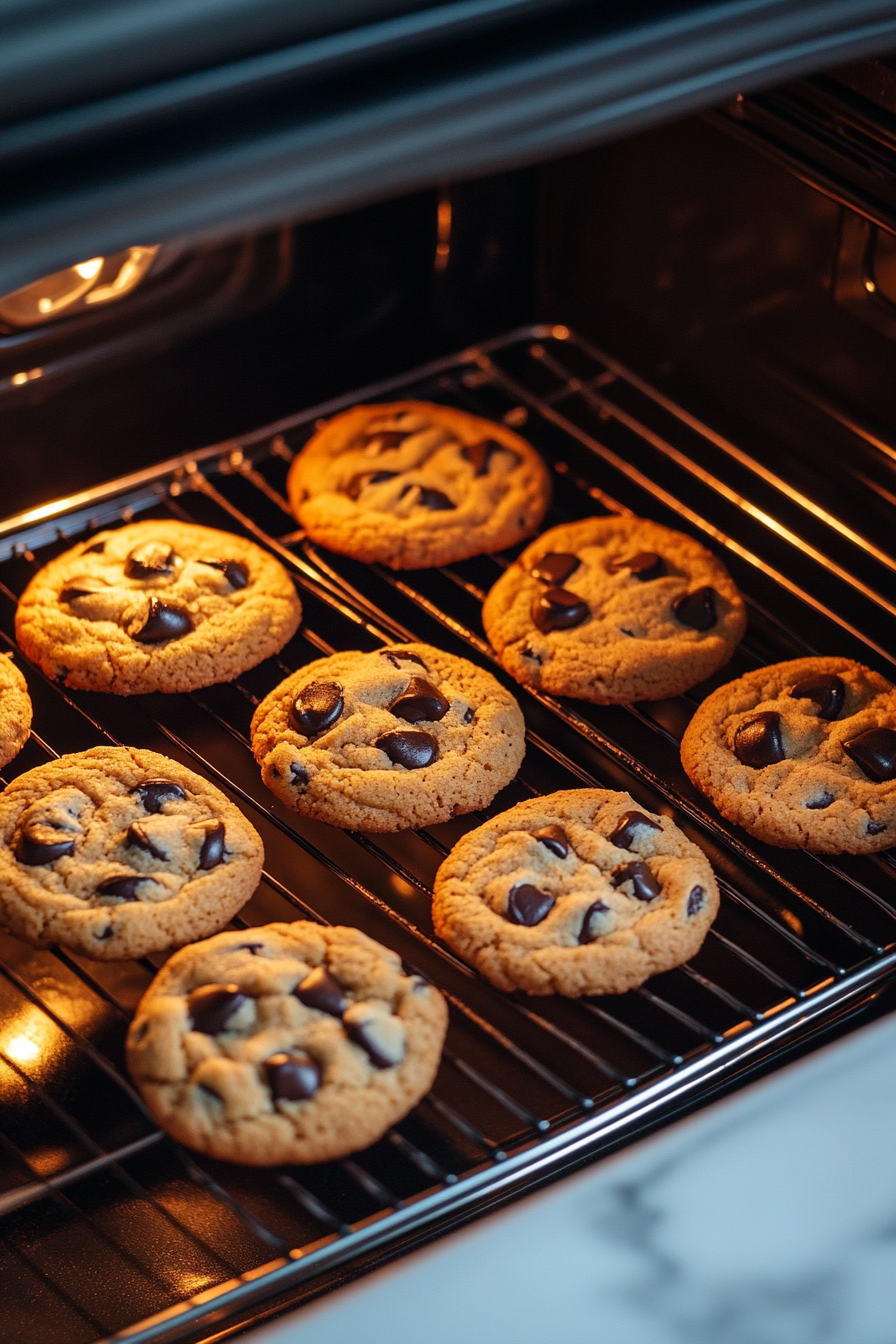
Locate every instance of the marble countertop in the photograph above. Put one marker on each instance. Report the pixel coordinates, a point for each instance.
(769, 1218)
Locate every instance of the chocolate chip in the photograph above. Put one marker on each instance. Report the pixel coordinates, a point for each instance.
(412, 750)
(559, 609)
(123, 887)
(212, 852)
(321, 990)
(292, 1077)
(697, 609)
(136, 837)
(527, 905)
(623, 833)
(875, 828)
(74, 591)
(150, 561)
(316, 708)
(357, 483)
(436, 500)
(587, 934)
(644, 884)
(96, 549)
(39, 845)
(298, 775)
(420, 702)
(821, 800)
(155, 793)
(757, 742)
(555, 567)
(105, 933)
(535, 657)
(234, 571)
(254, 948)
(398, 656)
(479, 455)
(390, 438)
(211, 1006)
(380, 1035)
(825, 692)
(554, 838)
(696, 901)
(644, 566)
(469, 714)
(874, 752)
(164, 621)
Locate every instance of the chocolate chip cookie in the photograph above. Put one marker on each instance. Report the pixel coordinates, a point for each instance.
(801, 754)
(286, 1043)
(411, 484)
(388, 741)
(15, 710)
(614, 610)
(156, 606)
(579, 892)
(116, 852)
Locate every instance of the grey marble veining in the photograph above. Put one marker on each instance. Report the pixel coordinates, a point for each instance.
(768, 1219)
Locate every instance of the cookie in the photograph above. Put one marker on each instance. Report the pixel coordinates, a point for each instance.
(286, 1043)
(411, 484)
(156, 606)
(579, 892)
(388, 741)
(15, 710)
(116, 852)
(614, 610)
(801, 754)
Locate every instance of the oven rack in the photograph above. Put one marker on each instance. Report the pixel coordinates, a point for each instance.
(528, 1087)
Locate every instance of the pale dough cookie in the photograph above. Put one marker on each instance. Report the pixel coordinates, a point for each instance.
(286, 1043)
(614, 610)
(156, 606)
(801, 754)
(412, 484)
(116, 852)
(15, 710)
(579, 892)
(388, 741)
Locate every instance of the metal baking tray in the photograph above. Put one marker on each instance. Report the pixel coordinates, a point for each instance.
(112, 1231)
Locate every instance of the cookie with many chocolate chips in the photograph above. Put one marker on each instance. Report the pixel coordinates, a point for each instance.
(801, 754)
(579, 892)
(116, 853)
(412, 484)
(286, 1043)
(388, 741)
(614, 610)
(156, 606)
(15, 710)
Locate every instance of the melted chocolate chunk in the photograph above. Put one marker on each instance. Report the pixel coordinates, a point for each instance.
(623, 833)
(757, 742)
(555, 567)
(875, 828)
(254, 948)
(436, 500)
(357, 483)
(292, 1077)
(554, 838)
(874, 752)
(696, 901)
(383, 1045)
(155, 793)
(212, 852)
(150, 561)
(105, 934)
(211, 1006)
(138, 839)
(234, 571)
(479, 455)
(586, 933)
(164, 621)
(74, 591)
(536, 658)
(398, 656)
(96, 549)
(644, 884)
(40, 845)
(697, 609)
(124, 887)
(527, 905)
(821, 801)
(321, 990)
(298, 775)
(825, 692)
(412, 750)
(316, 708)
(420, 702)
(559, 609)
(644, 567)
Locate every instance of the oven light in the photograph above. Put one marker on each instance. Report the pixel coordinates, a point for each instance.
(88, 284)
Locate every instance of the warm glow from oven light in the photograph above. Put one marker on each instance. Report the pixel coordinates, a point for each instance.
(88, 269)
(22, 1049)
(87, 284)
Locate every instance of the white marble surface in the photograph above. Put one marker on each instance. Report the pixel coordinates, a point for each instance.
(768, 1219)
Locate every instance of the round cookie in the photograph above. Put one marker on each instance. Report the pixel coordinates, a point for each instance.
(286, 1043)
(15, 710)
(116, 852)
(579, 892)
(156, 606)
(394, 740)
(412, 484)
(614, 610)
(801, 754)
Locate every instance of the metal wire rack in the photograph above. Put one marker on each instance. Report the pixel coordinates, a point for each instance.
(111, 1230)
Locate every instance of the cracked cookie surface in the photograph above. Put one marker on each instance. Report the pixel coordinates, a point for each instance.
(117, 852)
(15, 710)
(614, 610)
(579, 892)
(285, 1043)
(156, 606)
(413, 484)
(802, 754)
(394, 740)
